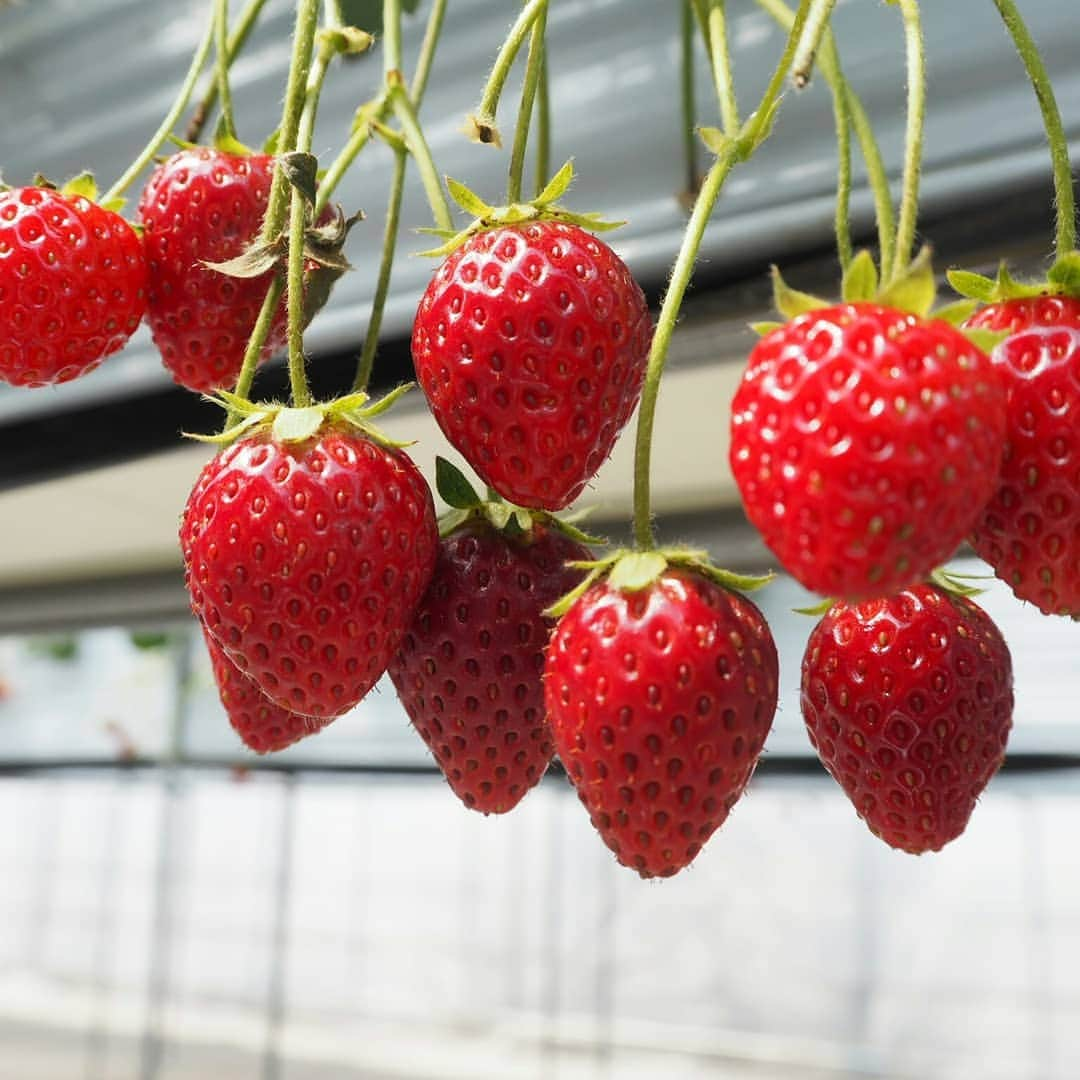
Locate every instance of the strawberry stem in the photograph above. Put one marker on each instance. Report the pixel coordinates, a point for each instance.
(221, 66)
(427, 51)
(816, 24)
(686, 97)
(543, 125)
(198, 61)
(421, 153)
(736, 150)
(720, 59)
(1055, 131)
(259, 334)
(913, 137)
(525, 111)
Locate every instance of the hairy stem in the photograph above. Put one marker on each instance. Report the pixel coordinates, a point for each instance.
(489, 99)
(816, 25)
(543, 125)
(720, 59)
(260, 332)
(421, 152)
(221, 47)
(525, 111)
(913, 137)
(427, 51)
(686, 97)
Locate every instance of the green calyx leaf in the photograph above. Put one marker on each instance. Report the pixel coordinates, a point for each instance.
(956, 314)
(256, 260)
(790, 302)
(764, 327)
(226, 141)
(453, 487)
(860, 284)
(714, 139)
(985, 340)
(957, 584)
(818, 609)
(1062, 279)
(637, 570)
(82, 186)
(544, 207)
(915, 290)
(1064, 275)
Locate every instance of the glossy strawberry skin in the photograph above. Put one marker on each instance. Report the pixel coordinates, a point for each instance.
(262, 726)
(204, 205)
(659, 702)
(908, 702)
(469, 669)
(865, 442)
(1029, 531)
(306, 561)
(530, 344)
(72, 285)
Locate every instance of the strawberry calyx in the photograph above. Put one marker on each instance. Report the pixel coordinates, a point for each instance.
(1062, 279)
(630, 570)
(949, 581)
(289, 424)
(545, 207)
(914, 291)
(81, 186)
(514, 521)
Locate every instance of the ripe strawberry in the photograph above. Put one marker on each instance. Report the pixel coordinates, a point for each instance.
(306, 559)
(660, 701)
(865, 441)
(204, 205)
(1030, 530)
(908, 702)
(530, 344)
(262, 726)
(469, 669)
(72, 285)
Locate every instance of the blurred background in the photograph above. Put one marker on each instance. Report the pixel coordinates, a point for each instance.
(173, 907)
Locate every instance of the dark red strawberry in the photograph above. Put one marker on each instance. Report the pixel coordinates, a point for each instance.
(72, 285)
(1030, 530)
(865, 441)
(204, 205)
(660, 701)
(306, 559)
(470, 665)
(908, 702)
(262, 726)
(530, 344)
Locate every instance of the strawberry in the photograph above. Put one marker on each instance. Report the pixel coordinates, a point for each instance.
(262, 726)
(1030, 530)
(865, 441)
(530, 344)
(205, 205)
(306, 548)
(469, 669)
(72, 285)
(660, 700)
(908, 702)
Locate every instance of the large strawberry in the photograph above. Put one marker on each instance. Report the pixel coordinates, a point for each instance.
(307, 545)
(469, 669)
(1030, 530)
(908, 702)
(262, 726)
(530, 344)
(865, 440)
(72, 283)
(205, 205)
(661, 687)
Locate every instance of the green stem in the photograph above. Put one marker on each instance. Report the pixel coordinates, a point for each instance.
(298, 219)
(427, 51)
(842, 223)
(913, 137)
(1055, 130)
(391, 36)
(221, 46)
(260, 332)
(421, 152)
(489, 99)
(525, 110)
(680, 281)
(816, 25)
(386, 266)
(543, 125)
(689, 105)
(720, 59)
(237, 40)
(171, 117)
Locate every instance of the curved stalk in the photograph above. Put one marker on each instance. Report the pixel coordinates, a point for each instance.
(493, 88)
(533, 65)
(913, 137)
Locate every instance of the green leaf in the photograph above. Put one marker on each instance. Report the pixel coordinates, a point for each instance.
(453, 486)
(956, 314)
(767, 326)
(1065, 273)
(637, 570)
(227, 142)
(860, 283)
(915, 290)
(714, 139)
(300, 170)
(986, 340)
(557, 186)
(82, 185)
(974, 286)
(298, 425)
(259, 258)
(272, 140)
(467, 199)
(790, 302)
(819, 608)
(566, 602)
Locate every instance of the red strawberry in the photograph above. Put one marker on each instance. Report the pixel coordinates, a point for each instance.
(660, 701)
(262, 726)
(1030, 530)
(469, 669)
(72, 285)
(865, 441)
(306, 559)
(205, 205)
(908, 702)
(530, 344)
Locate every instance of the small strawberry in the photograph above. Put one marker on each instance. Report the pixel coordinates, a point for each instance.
(1030, 530)
(204, 205)
(908, 702)
(660, 697)
(262, 726)
(307, 544)
(72, 283)
(530, 344)
(865, 440)
(469, 669)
